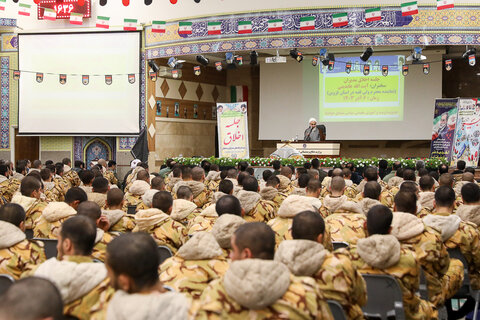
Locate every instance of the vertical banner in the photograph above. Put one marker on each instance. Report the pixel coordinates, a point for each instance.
(467, 133)
(444, 122)
(233, 130)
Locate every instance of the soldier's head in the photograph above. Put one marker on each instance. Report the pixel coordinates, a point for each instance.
(446, 180)
(372, 190)
(157, 183)
(115, 199)
(143, 175)
(93, 211)
(177, 172)
(31, 187)
(77, 237)
(132, 262)
(308, 225)
(242, 176)
(254, 240)
(198, 174)
(303, 180)
(75, 196)
(273, 181)
(286, 172)
(370, 174)
(14, 214)
(250, 184)
(444, 199)
(379, 220)
(185, 193)
(266, 174)
(337, 186)
(31, 298)
(67, 162)
(471, 194)
(37, 164)
(410, 186)
(86, 176)
(409, 175)
(226, 186)
(276, 164)
(100, 185)
(5, 170)
(163, 200)
(314, 188)
(46, 175)
(232, 173)
(59, 169)
(427, 184)
(229, 204)
(405, 202)
(468, 176)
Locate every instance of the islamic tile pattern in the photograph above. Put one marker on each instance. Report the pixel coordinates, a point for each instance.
(56, 143)
(5, 103)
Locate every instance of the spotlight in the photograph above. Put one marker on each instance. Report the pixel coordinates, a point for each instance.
(218, 66)
(470, 55)
(405, 70)
(323, 54)
(297, 55)
(366, 54)
(348, 67)
(153, 65)
(448, 65)
(416, 55)
(174, 63)
(366, 69)
(229, 57)
(197, 71)
(314, 61)
(239, 60)
(331, 65)
(202, 60)
(329, 57)
(385, 71)
(253, 58)
(148, 2)
(426, 68)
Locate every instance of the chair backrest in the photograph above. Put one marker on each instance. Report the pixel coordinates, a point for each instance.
(6, 281)
(339, 245)
(50, 246)
(464, 291)
(423, 289)
(29, 233)
(165, 253)
(337, 310)
(384, 297)
(131, 209)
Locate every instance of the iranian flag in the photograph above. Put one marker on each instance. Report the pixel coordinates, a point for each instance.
(76, 18)
(159, 26)
(103, 22)
(275, 25)
(445, 4)
(130, 24)
(24, 9)
(49, 14)
(244, 27)
(2, 4)
(238, 93)
(373, 14)
(184, 28)
(340, 19)
(409, 8)
(214, 28)
(307, 23)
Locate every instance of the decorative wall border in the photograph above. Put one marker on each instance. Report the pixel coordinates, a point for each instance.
(5, 103)
(9, 42)
(6, 22)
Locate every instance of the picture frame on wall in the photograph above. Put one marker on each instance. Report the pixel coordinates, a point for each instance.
(214, 113)
(195, 111)
(159, 108)
(177, 109)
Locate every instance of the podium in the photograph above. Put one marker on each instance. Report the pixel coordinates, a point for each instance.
(321, 149)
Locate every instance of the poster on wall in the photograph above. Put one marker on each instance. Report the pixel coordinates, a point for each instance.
(233, 130)
(444, 122)
(467, 135)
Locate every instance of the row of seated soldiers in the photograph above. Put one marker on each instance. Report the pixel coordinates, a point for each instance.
(198, 227)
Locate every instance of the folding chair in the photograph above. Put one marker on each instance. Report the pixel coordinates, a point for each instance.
(384, 297)
(29, 233)
(337, 310)
(339, 245)
(132, 210)
(6, 281)
(50, 246)
(165, 253)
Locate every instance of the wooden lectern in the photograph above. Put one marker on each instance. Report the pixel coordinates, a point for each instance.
(321, 149)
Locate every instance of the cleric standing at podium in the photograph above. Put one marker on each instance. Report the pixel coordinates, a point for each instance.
(313, 133)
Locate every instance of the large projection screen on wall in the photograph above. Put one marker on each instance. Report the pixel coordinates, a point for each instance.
(75, 108)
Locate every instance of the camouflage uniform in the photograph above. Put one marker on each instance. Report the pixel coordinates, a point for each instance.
(386, 198)
(347, 227)
(33, 209)
(273, 195)
(110, 176)
(133, 200)
(71, 178)
(48, 224)
(100, 248)
(7, 188)
(202, 196)
(203, 222)
(256, 209)
(60, 189)
(119, 220)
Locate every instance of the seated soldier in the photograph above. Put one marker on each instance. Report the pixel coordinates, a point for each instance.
(381, 253)
(60, 183)
(81, 282)
(132, 263)
(446, 180)
(337, 172)
(93, 211)
(156, 184)
(213, 178)
(444, 276)
(52, 192)
(371, 196)
(167, 168)
(347, 176)
(109, 173)
(184, 210)
(427, 192)
(86, 176)
(69, 175)
(100, 188)
(467, 177)
(469, 211)
(31, 299)
(225, 187)
(395, 182)
(230, 215)
(119, 221)
(196, 263)
(257, 287)
(285, 176)
(176, 176)
(265, 175)
(255, 208)
(371, 174)
(20, 171)
(137, 189)
(157, 222)
(18, 255)
(47, 226)
(336, 277)
(271, 193)
(30, 199)
(302, 183)
(195, 181)
(337, 201)
(7, 189)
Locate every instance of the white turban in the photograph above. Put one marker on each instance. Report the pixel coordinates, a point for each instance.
(312, 119)
(134, 163)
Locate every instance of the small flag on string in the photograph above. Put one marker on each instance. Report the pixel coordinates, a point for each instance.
(366, 69)
(130, 24)
(16, 74)
(39, 77)
(197, 71)
(174, 74)
(63, 78)
(153, 76)
(159, 26)
(405, 70)
(409, 8)
(348, 67)
(2, 5)
(85, 79)
(448, 64)
(218, 66)
(307, 23)
(385, 71)
(49, 14)
(340, 19)
(76, 18)
(244, 27)
(373, 14)
(24, 9)
(108, 79)
(131, 78)
(103, 22)
(184, 27)
(426, 68)
(214, 28)
(445, 4)
(275, 25)
(331, 65)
